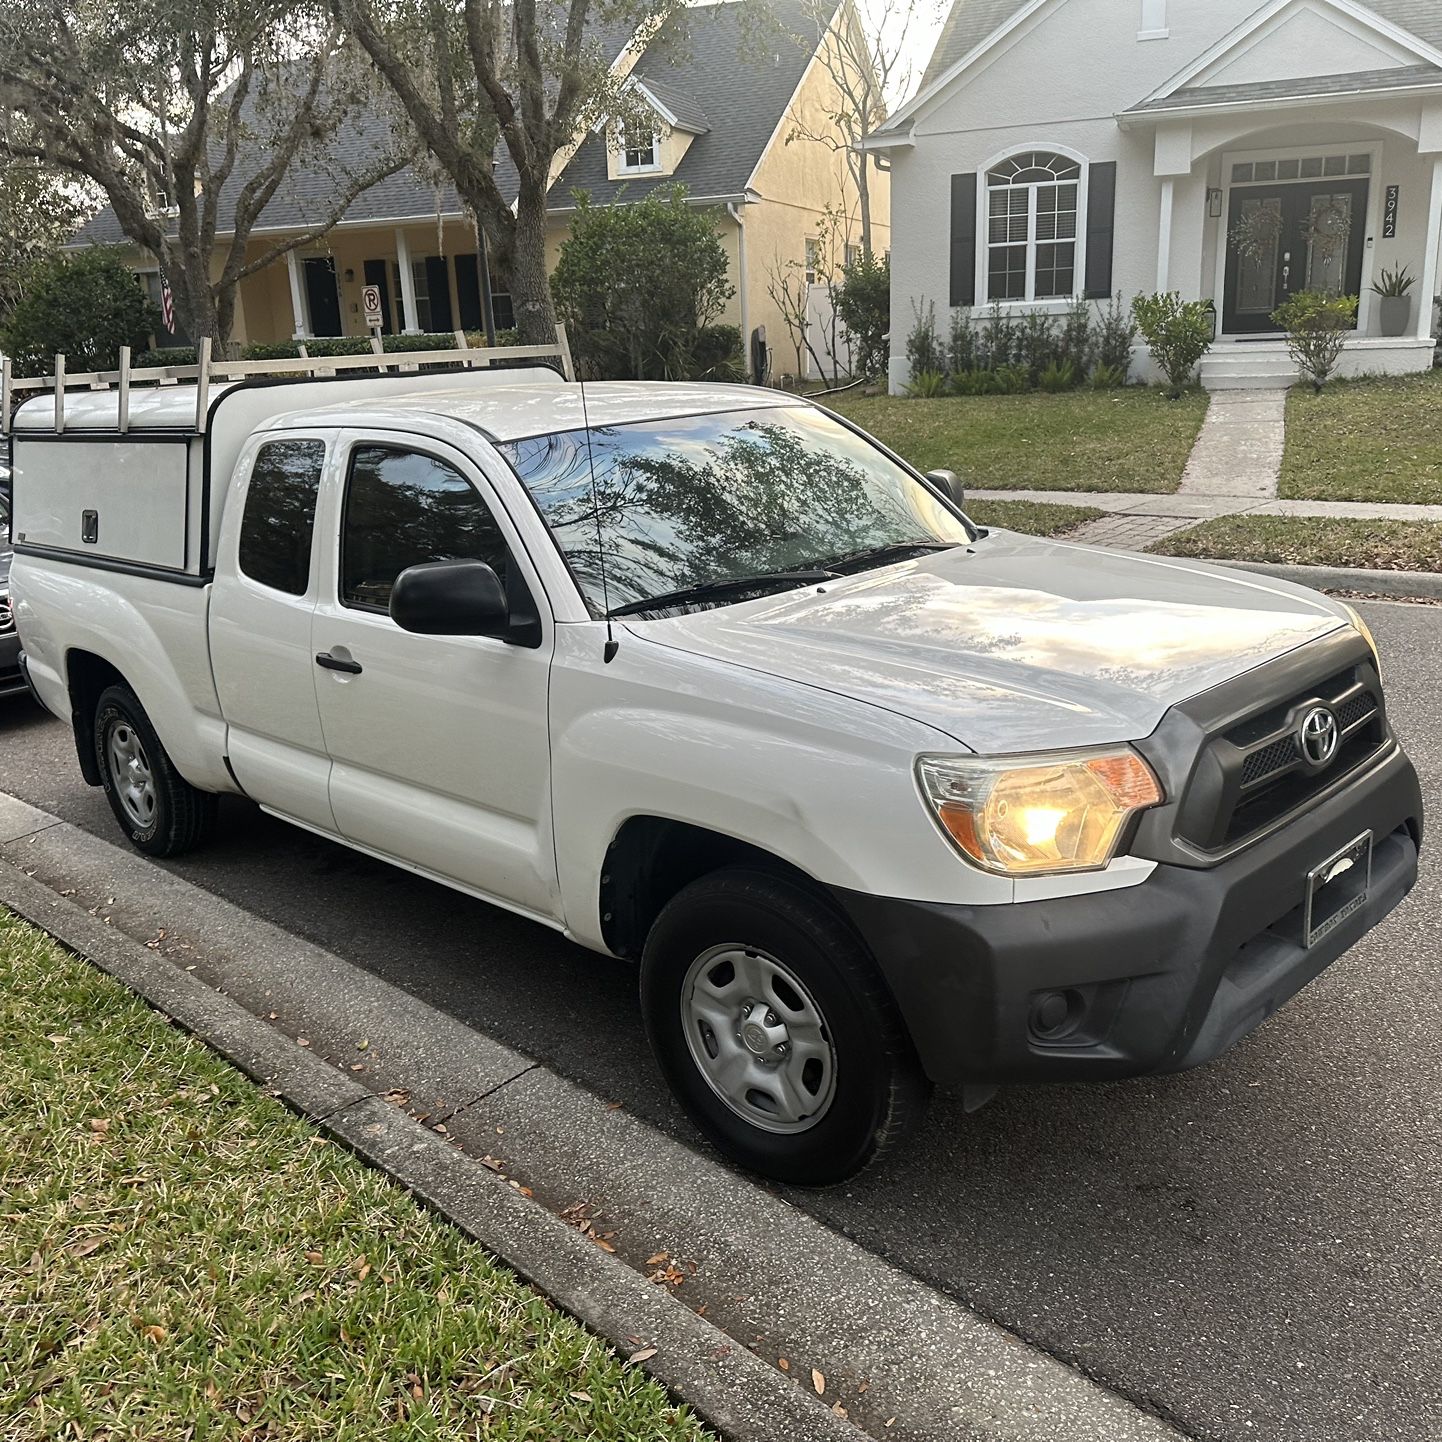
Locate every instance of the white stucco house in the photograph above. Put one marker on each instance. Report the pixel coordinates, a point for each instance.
(1230, 150)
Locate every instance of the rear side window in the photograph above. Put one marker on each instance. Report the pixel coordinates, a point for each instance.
(404, 509)
(279, 520)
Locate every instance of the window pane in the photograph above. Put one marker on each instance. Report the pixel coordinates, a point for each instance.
(1312, 167)
(1056, 212)
(1359, 165)
(403, 509)
(1265, 170)
(1241, 174)
(275, 532)
(1288, 169)
(1008, 216)
(1335, 165)
(1055, 270)
(1006, 273)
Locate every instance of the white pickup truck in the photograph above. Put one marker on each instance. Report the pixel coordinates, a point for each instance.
(705, 677)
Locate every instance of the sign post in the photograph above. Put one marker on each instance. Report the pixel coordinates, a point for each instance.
(371, 305)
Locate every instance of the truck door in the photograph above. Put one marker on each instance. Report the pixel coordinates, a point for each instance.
(261, 605)
(439, 744)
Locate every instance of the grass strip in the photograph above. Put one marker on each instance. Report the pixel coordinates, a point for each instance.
(1373, 440)
(1034, 518)
(1312, 541)
(1132, 440)
(182, 1257)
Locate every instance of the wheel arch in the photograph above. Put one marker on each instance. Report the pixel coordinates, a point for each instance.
(651, 858)
(87, 676)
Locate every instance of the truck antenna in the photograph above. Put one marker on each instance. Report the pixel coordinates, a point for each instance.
(612, 644)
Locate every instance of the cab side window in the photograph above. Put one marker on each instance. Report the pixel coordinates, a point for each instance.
(403, 509)
(279, 520)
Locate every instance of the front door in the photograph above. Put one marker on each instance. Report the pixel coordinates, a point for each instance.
(322, 296)
(1282, 239)
(439, 745)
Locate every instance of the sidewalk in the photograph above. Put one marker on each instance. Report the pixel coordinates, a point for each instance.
(1234, 469)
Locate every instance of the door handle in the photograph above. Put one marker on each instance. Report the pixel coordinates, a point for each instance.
(334, 663)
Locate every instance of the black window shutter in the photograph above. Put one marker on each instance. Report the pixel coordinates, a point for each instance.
(963, 239)
(1101, 228)
(438, 283)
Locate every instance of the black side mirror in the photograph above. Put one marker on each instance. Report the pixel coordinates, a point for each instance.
(950, 486)
(450, 598)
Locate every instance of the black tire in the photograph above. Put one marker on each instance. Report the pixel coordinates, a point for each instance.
(175, 817)
(879, 1087)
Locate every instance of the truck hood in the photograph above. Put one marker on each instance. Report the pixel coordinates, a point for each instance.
(1015, 644)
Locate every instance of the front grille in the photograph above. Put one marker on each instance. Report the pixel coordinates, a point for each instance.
(1260, 771)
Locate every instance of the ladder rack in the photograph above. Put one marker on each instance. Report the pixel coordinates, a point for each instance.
(14, 390)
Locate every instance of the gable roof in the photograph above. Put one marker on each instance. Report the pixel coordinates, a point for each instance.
(1312, 87)
(742, 84)
(969, 23)
(1423, 18)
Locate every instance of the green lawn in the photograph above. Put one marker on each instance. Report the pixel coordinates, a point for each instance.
(1378, 440)
(1313, 541)
(182, 1257)
(1128, 440)
(1035, 518)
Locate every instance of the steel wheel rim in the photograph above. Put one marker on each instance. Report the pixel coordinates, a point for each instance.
(758, 1038)
(131, 774)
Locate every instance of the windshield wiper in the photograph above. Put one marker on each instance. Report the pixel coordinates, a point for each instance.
(732, 586)
(892, 551)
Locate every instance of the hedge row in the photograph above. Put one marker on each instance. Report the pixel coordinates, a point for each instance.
(320, 346)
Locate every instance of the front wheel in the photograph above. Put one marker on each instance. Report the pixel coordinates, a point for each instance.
(776, 1033)
(157, 808)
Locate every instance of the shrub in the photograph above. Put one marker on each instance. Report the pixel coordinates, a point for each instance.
(717, 355)
(637, 283)
(975, 383)
(964, 342)
(84, 305)
(1003, 339)
(926, 385)
(863, 306)
(1115, 334)
(1317, 325)
(1177, 334)
(1011, 380)
(1107, 378)
(923, 345)
(1035, 343)
(1076, 342)
(1059, 376)
(320, 346)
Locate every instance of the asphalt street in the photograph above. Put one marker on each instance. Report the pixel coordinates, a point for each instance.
(1253, 1250)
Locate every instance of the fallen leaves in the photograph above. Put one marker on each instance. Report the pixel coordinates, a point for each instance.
(90, 1244)
(644, 1355)
(818, 1381)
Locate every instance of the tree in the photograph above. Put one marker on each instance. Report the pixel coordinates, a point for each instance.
(189, 115)
(528, 78)
(86, 306)
(869, 65)
(38, 214)
(639, 284)
(863, 305)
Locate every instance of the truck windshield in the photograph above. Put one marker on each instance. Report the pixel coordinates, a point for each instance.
(688, 510)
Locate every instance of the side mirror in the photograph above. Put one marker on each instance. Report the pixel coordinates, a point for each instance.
(950, 486)
(450, 598)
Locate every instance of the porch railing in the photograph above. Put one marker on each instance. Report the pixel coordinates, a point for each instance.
(14, 389)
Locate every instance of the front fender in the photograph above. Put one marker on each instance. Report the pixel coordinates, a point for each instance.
(152, 632)
(823, 782)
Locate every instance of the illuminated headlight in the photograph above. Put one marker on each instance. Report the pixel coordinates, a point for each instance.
(1367, 635)
(1026, 815)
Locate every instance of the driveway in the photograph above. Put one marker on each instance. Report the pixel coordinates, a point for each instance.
(1253, 1250)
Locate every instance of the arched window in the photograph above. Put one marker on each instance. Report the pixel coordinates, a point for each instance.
(1032, 204)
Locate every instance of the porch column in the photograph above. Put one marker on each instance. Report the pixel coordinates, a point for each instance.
(410, 323)
(1164, 235)
(1428, 284)
(297, 297)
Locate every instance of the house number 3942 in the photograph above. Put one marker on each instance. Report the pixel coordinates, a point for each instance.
(1389, 215)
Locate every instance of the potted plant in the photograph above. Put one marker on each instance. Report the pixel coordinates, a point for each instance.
(1396, 302)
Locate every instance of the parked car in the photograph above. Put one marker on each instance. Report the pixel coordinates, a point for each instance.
(11, 681)
(704, 677)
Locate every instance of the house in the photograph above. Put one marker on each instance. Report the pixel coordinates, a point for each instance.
(1231, 150)
(725, 93)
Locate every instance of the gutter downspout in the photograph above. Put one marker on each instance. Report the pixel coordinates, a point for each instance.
(734, 212)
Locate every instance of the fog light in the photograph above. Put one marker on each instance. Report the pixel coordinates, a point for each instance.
(1055, 1013)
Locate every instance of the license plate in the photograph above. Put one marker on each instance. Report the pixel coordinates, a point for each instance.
(1338, 888)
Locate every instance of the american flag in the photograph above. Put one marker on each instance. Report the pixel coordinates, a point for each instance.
(167, 303)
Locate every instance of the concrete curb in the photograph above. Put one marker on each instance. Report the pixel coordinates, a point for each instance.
(1403, 585)
(733, 1389)
(907, 1361)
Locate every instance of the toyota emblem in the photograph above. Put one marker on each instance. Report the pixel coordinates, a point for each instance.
(1317, 736)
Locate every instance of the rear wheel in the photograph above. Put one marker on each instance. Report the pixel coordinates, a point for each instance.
(774, 1029)
(161, 812)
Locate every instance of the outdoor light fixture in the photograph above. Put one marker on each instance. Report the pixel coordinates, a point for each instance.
(1214, 203)
(350, 273)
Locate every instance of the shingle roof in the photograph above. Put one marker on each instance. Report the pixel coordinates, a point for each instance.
(1406, 77)
(724, 76)
(741, 80)
(1422, 17)
(970, 22)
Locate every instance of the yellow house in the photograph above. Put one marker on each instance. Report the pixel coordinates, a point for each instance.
(725, 93)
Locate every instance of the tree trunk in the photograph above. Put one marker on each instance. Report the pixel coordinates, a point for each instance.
(863, 196)
(530, 284)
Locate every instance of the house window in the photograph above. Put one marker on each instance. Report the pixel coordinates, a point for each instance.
(1032, 204)
(640, 149)
(813, 259)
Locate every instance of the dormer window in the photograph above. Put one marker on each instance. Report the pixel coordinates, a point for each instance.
(640, 150)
